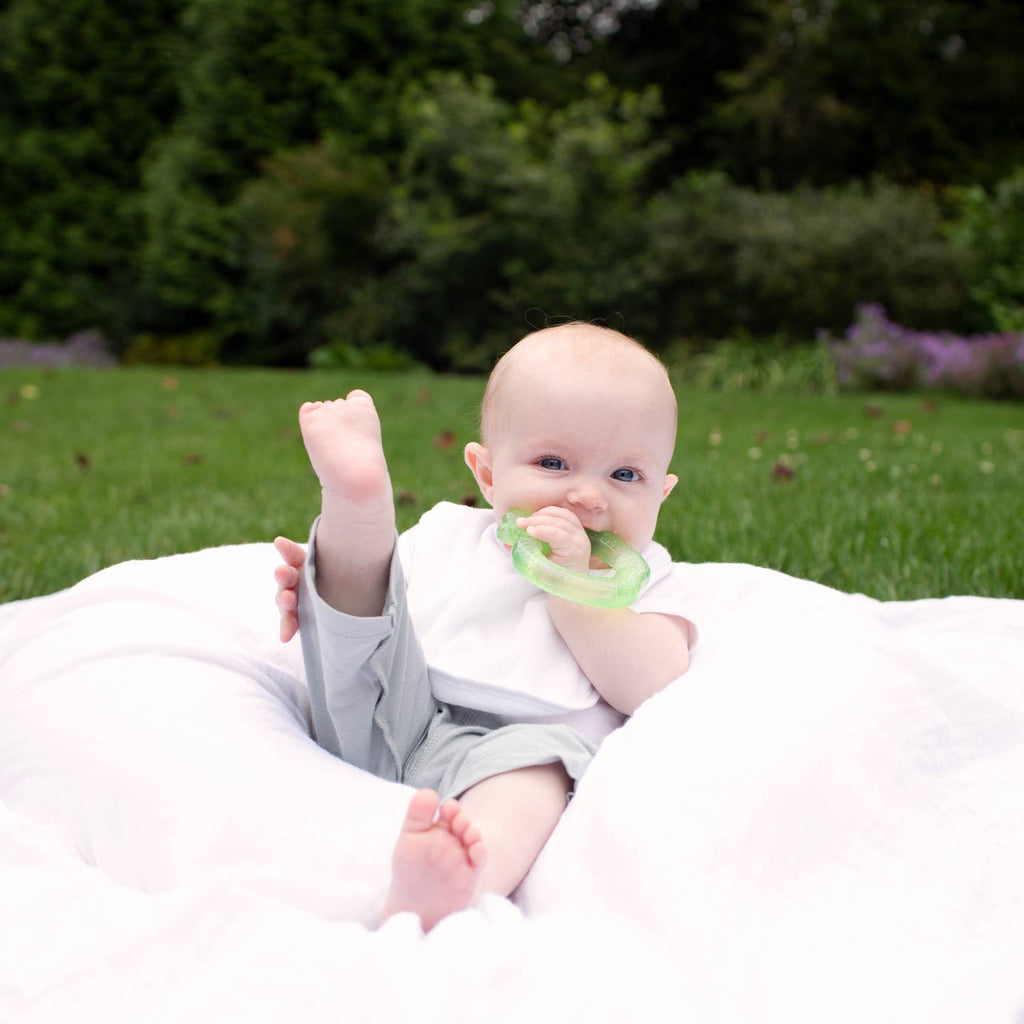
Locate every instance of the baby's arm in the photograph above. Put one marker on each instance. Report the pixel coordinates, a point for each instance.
(626, 655)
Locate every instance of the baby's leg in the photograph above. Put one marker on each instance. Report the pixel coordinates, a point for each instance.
(356, 533)
(516, 813)
(484, 842)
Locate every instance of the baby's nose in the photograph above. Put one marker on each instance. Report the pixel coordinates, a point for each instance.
(587, 496)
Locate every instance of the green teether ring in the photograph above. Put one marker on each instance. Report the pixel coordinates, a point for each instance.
(530, 557)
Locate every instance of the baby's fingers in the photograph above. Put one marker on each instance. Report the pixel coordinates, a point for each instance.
(289, 625)
(553, 514)
(569, 543)
(287, 576)
(292, 553)
(562, 541)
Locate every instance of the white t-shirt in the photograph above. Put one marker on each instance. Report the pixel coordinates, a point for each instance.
(486, 633)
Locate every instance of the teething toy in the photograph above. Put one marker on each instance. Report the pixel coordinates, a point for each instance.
(530, 557)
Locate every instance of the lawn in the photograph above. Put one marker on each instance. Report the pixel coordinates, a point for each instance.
(896, 496)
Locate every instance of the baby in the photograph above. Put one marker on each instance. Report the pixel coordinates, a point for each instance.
(494, 704)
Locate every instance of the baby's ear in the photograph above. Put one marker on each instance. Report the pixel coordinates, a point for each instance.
(478, 458)
(670, 482)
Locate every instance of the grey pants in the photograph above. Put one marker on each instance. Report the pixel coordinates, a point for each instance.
(373, 706)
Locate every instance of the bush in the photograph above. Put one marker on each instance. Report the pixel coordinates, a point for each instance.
(308, 228)
(990, 226)
(502, 209)
(722, 258)
(880, 354)
(198, 348)
(380, 358)
(744, 363)
(492, 209)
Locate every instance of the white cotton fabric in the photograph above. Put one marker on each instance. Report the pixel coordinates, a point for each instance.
(486, 632)
(823, 820)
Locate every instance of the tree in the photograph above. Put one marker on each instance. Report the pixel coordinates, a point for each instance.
(780, 92)
(84, 90)
(493, 208)
(260, 78)
(683, 48)
(909, 89)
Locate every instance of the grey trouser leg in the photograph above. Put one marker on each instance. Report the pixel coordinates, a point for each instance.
(350, 663)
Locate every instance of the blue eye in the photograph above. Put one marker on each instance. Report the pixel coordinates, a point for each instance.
(551, 462)
(626, 475)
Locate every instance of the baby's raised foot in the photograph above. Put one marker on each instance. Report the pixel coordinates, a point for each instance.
(436, 862)
(343, 440)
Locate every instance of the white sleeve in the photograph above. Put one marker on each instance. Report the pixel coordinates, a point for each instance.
(668, 595)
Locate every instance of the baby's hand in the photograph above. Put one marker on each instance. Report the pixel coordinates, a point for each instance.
(570, 545)
(287, 578)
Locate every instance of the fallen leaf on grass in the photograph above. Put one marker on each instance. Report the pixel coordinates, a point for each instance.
(406, 498)
(469, 500)
(782, 470)
(192, 458)
(82, 461)
(874, 411)
(445, 439)
(902, 426)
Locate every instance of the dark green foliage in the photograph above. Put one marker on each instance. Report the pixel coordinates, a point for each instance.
(989, 224)
(504, 209)
(908, 90)
(492, 209)
(723, 258)
(782, 92)
(307, 228)
(84, 89)
(259, 78)
(251, 180)
(498, 216)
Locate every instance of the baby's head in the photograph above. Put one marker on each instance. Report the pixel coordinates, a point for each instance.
(582, 417)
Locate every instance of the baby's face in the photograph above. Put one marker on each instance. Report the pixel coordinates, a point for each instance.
(592, 443)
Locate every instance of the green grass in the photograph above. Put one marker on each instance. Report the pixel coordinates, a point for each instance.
(887, 495)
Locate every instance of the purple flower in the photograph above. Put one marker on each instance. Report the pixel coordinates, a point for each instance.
(877, 353)
(86, 348)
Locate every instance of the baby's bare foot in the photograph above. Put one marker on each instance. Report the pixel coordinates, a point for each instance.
(356, 533)
(343, 440)
(437, 860)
